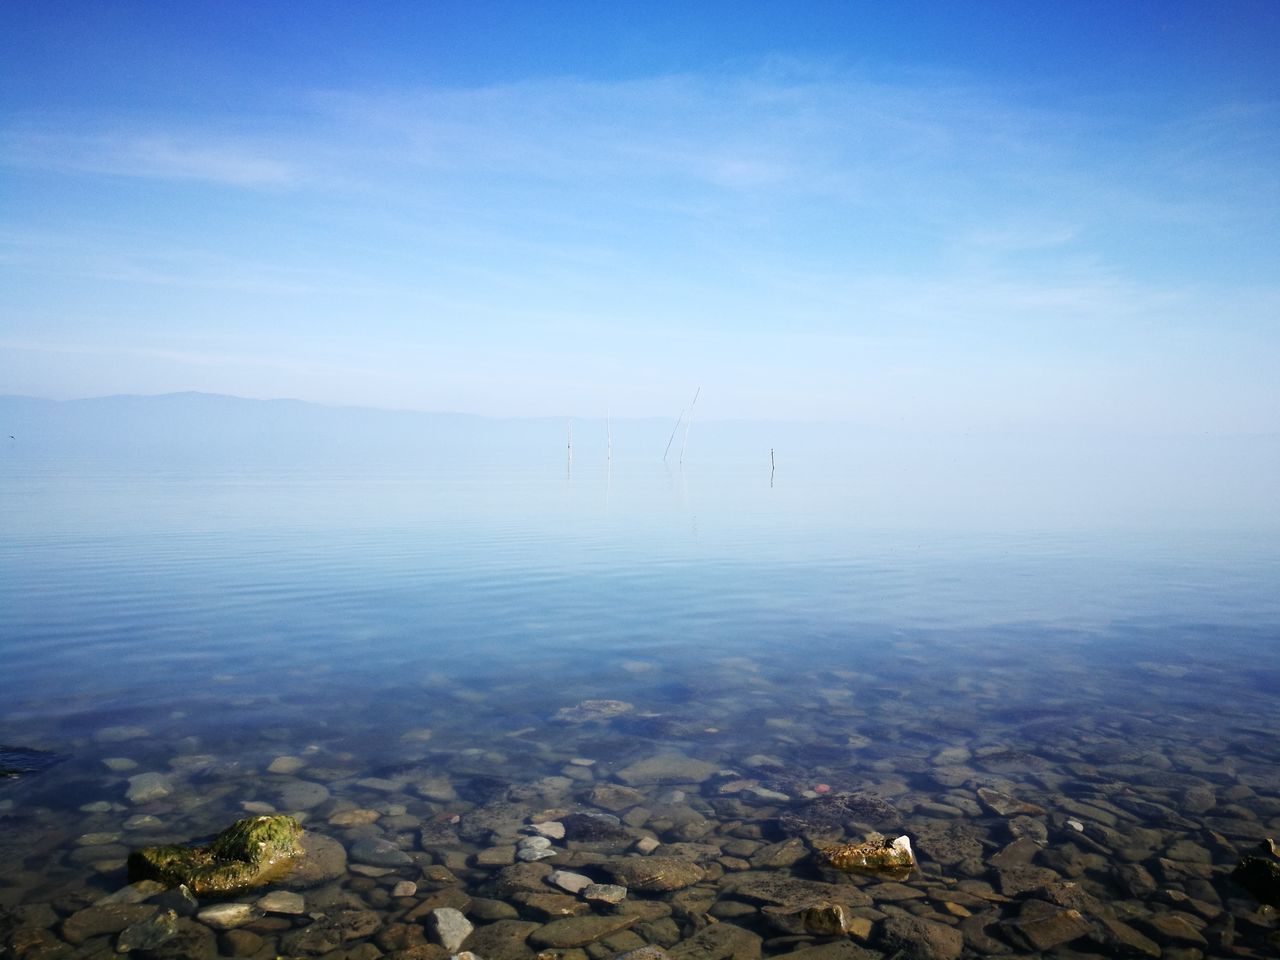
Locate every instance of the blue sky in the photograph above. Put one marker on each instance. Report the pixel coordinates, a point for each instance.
(948, 216)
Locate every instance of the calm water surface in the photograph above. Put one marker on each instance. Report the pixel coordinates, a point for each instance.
(397, 625)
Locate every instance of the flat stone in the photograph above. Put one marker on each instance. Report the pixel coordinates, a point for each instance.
(240, 943)
(286, 765)
(667, 768)
(377, 852)
(502, 940)
(1175, 928)
(551, 829)
(405, 888)
(920, 939)
(1007, 806)
(379, 785)
(133, 893)
(109, 918)
(355, 818)
(282, 901)
(721, 941)
(449, 928)
(148, 934)
(323, 859)
(605, 893)
(567, 880)
(578, 931)
(302, 795)
(778, 855)
(331, 931)
(226, 916)
(148, 787)
(655, 874)
(1049, 927)
(120, 764)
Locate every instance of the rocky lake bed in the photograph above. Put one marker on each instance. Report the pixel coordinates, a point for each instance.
(729, 825)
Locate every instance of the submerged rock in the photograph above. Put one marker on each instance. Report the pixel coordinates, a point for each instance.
(593, 710)
(1260, 874)
(655, 874)
(249, 852)
(878, 855)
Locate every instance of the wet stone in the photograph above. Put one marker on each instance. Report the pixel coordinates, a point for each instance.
(148, 787)
(1042, 926)
(331, 931)
(240, 943)
(666, 768)
(722, 941)
(110, 918)
(914, 938)
(226, 916)
(449, 928)
(282, 901)
(1006, 805)
(502, 940)
(578, 931)
(605, 893)
(148, 934)
(655, 874)
(377, 852)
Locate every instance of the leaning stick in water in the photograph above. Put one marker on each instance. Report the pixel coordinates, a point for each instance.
(684, 443)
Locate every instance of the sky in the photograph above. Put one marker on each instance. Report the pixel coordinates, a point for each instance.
(956, 216)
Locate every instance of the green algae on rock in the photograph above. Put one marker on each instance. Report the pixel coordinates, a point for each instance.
(248, 853)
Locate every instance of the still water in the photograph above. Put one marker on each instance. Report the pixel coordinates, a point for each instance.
(412, 653)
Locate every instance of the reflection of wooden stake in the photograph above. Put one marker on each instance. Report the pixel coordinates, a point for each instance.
(608, 432)
(685, 442)
(672, 437)
(569, 448)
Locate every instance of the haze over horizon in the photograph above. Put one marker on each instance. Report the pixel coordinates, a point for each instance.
(936, 217)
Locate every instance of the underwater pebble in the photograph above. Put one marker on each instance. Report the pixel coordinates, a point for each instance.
(286, 765)
(552, 829)
(282, 901)
(120, 764)
(405, 888)
(148, 787)
(225, 916)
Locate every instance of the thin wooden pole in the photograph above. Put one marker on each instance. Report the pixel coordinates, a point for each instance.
(688, 425)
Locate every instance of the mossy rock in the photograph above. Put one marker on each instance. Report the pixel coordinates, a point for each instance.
(248, 853)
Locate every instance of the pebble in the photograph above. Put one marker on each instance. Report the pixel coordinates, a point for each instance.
(148, 934)
(405, 888)
(282, 901)
(551, 829)
(568, 880)
(286, 765)
(605, 892)
(121, 733)
(257, 807)
(148, 787)
(120, 764)
(448, 927)
(225, 916)
(377, 852)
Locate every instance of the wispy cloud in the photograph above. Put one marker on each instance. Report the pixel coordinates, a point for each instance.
(153, 155)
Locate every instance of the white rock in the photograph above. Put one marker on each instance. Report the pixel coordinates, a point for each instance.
(448, 927)
(227, 916)
(120, 764)
(569, 881)
(552, 829)
(535, 843)
(405, 888)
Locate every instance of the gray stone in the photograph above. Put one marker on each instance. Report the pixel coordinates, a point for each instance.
(377, 852)
(302, 794)
(666, 768)
(109, 918)
(330, 932)
(605, 893)
(323, 859)
(567, 880)
(503, 940)
(449, 928)
(721, 941)
(655, 874)
(148, 934)
(920, 939)
(148, 787)
(282, 901)
(578, 931)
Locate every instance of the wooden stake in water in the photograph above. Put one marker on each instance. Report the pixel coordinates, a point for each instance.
(771, 467)
(685, 441)
(569, 448)
(608, 433)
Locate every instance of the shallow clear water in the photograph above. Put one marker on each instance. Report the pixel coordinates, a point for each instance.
(201, 623)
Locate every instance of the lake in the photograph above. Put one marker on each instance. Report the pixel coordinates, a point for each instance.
(1061, 689)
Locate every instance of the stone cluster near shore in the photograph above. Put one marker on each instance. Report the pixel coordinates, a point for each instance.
(682, 851)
